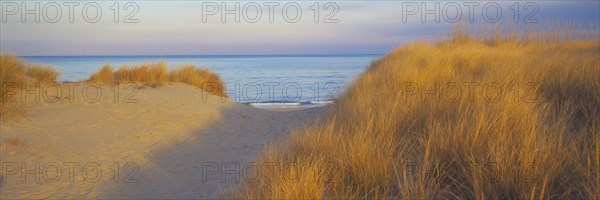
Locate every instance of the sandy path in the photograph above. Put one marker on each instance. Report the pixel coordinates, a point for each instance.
(168, 144)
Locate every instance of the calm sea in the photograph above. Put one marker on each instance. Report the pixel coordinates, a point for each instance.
(262, 81)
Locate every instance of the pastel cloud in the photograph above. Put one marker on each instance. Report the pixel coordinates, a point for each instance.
(178, 28)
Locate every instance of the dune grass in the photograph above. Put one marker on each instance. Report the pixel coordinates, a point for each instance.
(465, 118)
(156, 74)
(12, 70)
(42, 73)
(12, 76)
(153, 74)
(202, 78)
(104, 75)
(15, 74)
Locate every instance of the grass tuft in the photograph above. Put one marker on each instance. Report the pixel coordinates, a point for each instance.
(156, 74)
(41, 73)
(104, 75)
(202, 78)
(12, 71)
(15, 74)
(153, 74)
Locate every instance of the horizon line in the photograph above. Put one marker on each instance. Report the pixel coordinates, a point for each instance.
(160, 55)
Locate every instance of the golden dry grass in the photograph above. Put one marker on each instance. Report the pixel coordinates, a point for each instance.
(12, 76)
(156, 74)
(465, 119)
(12, 71)
(15, 74)
(41, 73)
(202, 78)
(104, 75)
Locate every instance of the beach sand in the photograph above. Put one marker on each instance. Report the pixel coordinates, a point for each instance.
(169, 144)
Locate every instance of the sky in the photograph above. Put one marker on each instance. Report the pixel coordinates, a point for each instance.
(187, 27)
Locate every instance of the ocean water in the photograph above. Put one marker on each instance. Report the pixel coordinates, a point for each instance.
(262, 81)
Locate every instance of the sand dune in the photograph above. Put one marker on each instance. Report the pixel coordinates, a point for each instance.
(165, 145)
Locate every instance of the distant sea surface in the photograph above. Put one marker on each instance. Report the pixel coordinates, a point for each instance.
(264, 81)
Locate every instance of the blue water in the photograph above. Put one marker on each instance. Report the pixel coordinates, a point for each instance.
(263, 81)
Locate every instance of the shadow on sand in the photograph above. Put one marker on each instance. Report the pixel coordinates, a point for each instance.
(210, 160)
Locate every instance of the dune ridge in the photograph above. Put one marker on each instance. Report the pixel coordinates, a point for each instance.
(466, 118)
